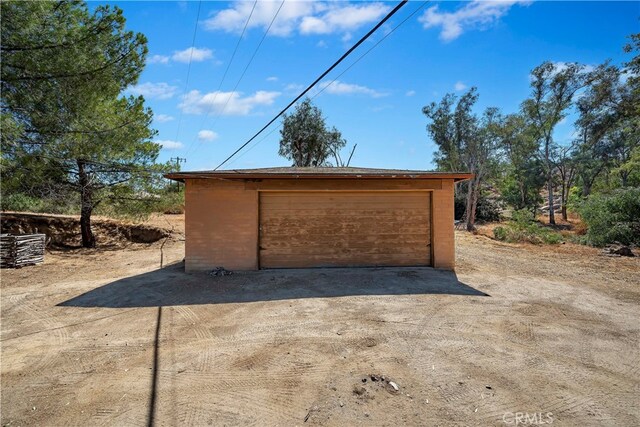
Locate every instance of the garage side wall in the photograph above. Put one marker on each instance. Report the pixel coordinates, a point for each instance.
(221, 225)
(443, 236)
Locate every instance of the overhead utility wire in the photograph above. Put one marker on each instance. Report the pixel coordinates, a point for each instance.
(224, 108)
(224, 75)
(186, 83)
(371, 48)
(335, 64)
(345, 70)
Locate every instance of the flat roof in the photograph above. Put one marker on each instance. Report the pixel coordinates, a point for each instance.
(317, 172)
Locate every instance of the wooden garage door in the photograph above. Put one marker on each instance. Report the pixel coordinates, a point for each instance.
(336, 229)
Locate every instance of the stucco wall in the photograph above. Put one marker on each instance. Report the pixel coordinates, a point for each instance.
(222, 217)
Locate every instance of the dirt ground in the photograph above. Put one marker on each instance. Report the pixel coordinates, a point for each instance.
(106, 337)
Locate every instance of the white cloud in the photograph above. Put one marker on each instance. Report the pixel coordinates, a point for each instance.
(206, 135)
(214, 102)
(168, 144)
(323, 44)
(294, 87)
(192, 54)
(343, 18)
(341, 88)
(305, 17)
(475, 14)
(158, 59)
(410, 93)
(163, 118)
(153, 90)
(272, 79)
(459, 86)
(233, 19)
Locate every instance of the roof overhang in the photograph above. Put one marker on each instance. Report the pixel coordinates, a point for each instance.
(238, 175)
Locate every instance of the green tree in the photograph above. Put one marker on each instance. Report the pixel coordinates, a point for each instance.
(522, 175)
(612, 217)
(306, 140)
(599, 110)
(63, 71)
(466, 142)
(553, 90)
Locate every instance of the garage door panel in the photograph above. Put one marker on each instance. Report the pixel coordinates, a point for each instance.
(316, 242)
(344, 229)
(301, 229)
(363, 247)
(361, 260)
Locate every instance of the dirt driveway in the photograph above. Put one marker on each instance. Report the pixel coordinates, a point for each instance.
(107, 338)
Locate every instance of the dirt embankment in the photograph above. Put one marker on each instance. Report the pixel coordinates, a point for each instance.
(64, 231)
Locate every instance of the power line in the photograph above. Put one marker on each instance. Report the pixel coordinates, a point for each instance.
(120, 167)
(372, 47)
(347, 69)
(186, 83)
(224, 108)
(224, 75)
(335, 64)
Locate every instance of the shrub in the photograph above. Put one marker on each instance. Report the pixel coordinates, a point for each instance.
(500, 233)
(524, 229)
(487, 210)
(612, 217)
(21, 202)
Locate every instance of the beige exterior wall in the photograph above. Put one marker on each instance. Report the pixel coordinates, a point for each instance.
(222, 217)
(442, 217)
(221, 225)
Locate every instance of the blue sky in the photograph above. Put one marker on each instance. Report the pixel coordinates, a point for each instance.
(446, 47)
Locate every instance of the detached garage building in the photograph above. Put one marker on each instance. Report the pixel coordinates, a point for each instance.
(293, 217)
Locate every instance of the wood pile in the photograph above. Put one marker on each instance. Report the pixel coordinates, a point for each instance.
(21, 250)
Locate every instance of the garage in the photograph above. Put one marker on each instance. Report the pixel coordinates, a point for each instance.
(344, 229)
(292, 217)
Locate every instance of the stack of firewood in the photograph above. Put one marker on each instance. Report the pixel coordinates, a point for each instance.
(21, 250)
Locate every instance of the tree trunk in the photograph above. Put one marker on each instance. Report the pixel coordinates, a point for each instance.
(472, 202)
(563, 201)
(552, 218)
(547, 155)
(86, 207)
(624, 177)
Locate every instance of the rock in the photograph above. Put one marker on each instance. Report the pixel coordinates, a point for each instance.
(394, 386)
(220, 271)
(488, 387)
(618, 249)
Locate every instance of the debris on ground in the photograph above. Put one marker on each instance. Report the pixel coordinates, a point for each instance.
(378, 381)
(617, 249)
(220, 271)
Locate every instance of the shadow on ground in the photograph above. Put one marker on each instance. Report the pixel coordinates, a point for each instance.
(172, 286)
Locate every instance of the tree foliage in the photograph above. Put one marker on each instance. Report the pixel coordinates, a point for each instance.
(306, 140)
(612, 217)
(522, 175)
(465, 142)
(553, 88)
(72, 133)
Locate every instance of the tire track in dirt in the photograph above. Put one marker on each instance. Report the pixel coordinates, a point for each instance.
(46, 359)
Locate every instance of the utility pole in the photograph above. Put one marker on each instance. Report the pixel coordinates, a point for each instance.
(178, 160)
